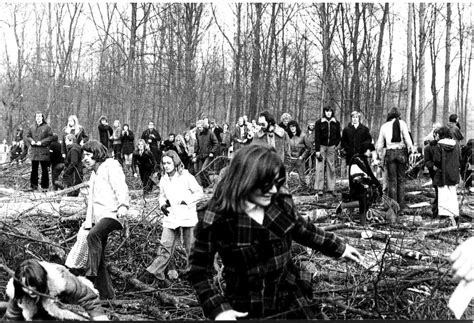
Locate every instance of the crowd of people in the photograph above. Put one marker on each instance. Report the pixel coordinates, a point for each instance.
(250, 221)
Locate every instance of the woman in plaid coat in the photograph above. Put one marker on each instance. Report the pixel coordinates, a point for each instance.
(251, 221)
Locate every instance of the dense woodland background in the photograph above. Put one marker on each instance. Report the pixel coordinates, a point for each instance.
(176, 62)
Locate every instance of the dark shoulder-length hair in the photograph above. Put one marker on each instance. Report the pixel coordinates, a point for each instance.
(294, 123)
(251, 167)
(33, 275)
(99, 151)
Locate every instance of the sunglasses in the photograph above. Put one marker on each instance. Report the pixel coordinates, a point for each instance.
(267, 186)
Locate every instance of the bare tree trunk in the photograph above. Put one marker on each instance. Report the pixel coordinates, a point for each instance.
(356, 56)
(419, 134)
(378, 71)
(237, 61)
(447, 64)
(409, 64)
(464, 120)
(268, 67)
(433, 56)
(255, 81)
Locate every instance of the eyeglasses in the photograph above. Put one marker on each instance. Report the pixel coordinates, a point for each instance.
(278, 182)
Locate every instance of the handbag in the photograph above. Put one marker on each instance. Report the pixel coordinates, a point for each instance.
(77, 257)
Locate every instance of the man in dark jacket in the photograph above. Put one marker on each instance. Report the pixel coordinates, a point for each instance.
(353, 136)
(327, 137)
(73, 173)
(105, 131)
(169, 143)
(57, 161)
(446, 159)
(39, 136)
(153, 139)
(204, 152)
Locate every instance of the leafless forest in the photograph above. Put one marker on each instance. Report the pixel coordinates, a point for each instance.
(174, 63)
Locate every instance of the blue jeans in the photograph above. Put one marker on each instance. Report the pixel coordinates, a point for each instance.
(97, 270)
(396, 161)
(169, 239)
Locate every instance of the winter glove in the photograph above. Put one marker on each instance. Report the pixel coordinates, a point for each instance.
(165, 207)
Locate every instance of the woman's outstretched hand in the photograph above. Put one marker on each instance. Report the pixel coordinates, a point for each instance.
(350, 253)
(463, 260)
(230, 315)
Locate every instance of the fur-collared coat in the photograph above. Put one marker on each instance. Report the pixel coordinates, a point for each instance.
(73, 298)
(278, 139)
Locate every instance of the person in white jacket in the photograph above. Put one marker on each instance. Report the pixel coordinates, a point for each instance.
(179, 194)
(108, 203)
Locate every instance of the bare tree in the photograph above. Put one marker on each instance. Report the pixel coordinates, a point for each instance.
(255, 82)
(447, 63)
(378, 70)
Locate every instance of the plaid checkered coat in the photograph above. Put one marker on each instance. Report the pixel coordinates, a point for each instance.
(259, 272)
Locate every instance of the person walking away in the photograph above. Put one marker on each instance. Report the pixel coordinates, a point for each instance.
(453, 126)
(105, 132)
(204, 152)
(273, 135)
(300, 148)
(144, 161)
(327, 138)
(428, 157)
(57, 161)
(447, 161)
(39, 137)
(73, 128)
(364, 186)
(73, 172)
(153, 139)
(394, 137)
(179, 193)
(251, 221)
(107, 205)
(41, 290)
(117, 141)
(127, 144)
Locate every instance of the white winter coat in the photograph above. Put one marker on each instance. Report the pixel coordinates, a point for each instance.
(178, 188)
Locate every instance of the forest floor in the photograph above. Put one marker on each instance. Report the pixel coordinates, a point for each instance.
(405, 275)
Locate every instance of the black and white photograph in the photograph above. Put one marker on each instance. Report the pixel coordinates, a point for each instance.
(236, 160)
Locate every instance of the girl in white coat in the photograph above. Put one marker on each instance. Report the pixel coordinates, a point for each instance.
(179, 193)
